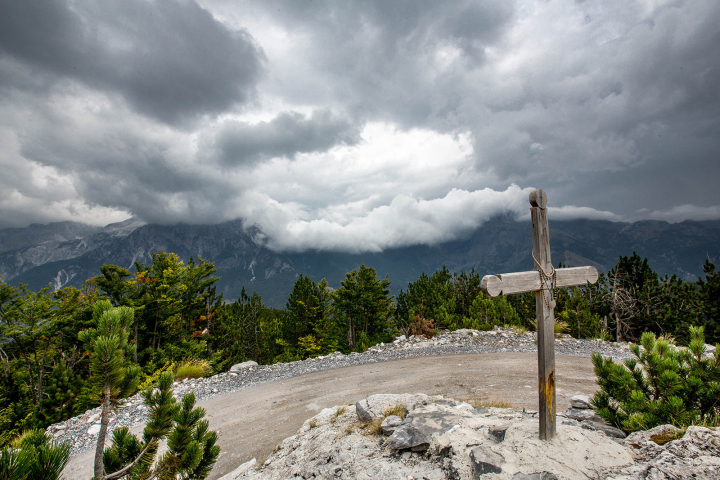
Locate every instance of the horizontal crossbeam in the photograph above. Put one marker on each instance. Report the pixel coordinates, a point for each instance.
(509, 283)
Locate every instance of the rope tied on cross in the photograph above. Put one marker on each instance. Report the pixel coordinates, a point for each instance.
(545, 280)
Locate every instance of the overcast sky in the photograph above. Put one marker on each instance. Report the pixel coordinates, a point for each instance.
(358, 126)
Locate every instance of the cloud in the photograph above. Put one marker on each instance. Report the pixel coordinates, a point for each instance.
(358, 126)
(680, 213)
(169, 59)
(405, 221)
(242, 143)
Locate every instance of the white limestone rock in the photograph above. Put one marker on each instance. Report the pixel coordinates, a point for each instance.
(330, 446)
(694, 456)
(580, 401)
(375, 405)
(240, 366)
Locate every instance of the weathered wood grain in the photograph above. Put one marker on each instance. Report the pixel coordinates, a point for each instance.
(521, 282)
(545, 318)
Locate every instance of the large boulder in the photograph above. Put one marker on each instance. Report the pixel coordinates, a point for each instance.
(240, 366)
(695, 456)
(417, 429)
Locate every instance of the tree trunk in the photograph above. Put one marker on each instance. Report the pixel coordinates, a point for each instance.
(157, 312)
(136, 345)
(104, 420)
(351, 335)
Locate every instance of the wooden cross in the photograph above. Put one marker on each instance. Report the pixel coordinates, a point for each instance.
(542, 281)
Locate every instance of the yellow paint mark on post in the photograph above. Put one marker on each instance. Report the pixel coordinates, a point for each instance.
(549, 391)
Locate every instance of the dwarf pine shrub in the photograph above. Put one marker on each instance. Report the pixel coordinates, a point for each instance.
(34, 456)
(191, 447)
(663, 384)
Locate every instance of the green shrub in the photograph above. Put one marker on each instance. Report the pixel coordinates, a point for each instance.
(152, 378)
(34, 457)
(193, 368)
(191, 447)
(662, 384)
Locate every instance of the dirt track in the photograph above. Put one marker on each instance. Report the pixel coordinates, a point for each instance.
(253, 421)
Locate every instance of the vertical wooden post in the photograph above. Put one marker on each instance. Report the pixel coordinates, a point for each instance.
(545, 316)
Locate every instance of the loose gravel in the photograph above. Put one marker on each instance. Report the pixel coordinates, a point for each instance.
(81, 431)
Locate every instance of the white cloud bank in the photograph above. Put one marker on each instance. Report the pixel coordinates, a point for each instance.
(405, 221)
(685, 212)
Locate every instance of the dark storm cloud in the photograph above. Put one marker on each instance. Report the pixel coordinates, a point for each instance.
(240, 143)
(170, 59)
(443, 113)
(380, 58)
(596, 94)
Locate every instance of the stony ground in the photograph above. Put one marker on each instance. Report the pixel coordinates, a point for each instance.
(441, 439)
(81, 431)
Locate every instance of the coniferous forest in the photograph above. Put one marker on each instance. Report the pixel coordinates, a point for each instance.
(178, 324)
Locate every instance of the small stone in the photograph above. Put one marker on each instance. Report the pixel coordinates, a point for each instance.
(363, 411)
(498, 432)
(581, 414)
(59, 433)
(390, 423)
(580, 401)
(485, 461)
(406, 436)
(94, 430)
(93, 418)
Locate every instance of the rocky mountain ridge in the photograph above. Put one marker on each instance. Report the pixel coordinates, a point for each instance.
(501, 244)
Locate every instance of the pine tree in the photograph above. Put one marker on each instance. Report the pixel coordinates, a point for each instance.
(709, 299)
(62, 389)
(191, 449)
(364, 304)
(662, 384)
(35, 457)
(113, 375)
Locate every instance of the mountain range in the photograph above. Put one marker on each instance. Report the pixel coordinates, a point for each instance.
(68, 253)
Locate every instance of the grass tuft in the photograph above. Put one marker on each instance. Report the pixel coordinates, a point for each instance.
(193, 368)
(339, 411)
(492, 402)
(397, 410)
(373, 427)
(352, 427)
(668, 436)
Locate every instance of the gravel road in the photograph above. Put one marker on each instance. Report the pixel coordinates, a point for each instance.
(256, 408)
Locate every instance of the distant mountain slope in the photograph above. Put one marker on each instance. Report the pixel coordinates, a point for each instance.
(62, 246)
(35, 234)
(501, 245)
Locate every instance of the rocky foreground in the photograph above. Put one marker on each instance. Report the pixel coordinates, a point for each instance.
(418, 437)
(81, 431)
